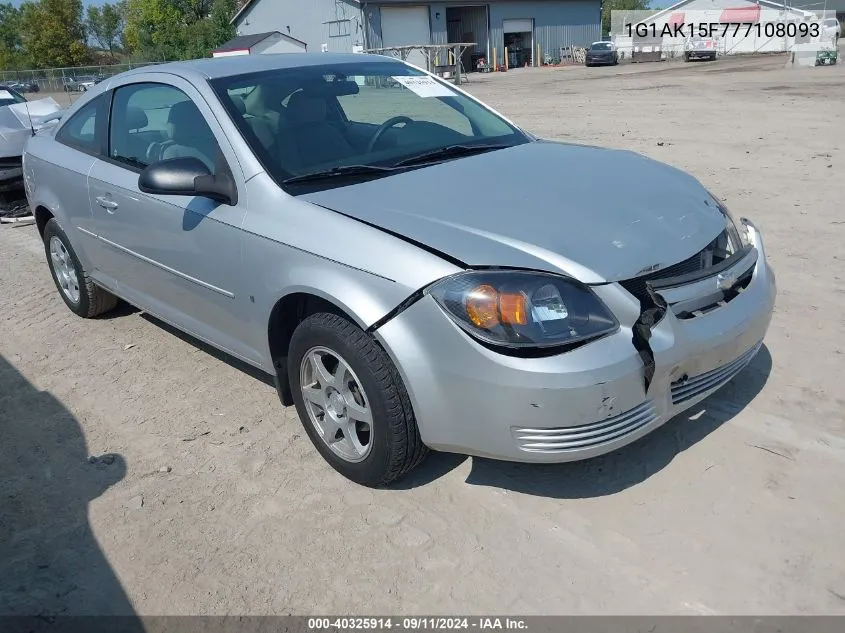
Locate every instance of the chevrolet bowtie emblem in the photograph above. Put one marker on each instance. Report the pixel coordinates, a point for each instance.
(725, 282)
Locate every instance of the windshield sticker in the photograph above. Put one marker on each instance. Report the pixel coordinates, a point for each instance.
(5, 94)
(425, 86)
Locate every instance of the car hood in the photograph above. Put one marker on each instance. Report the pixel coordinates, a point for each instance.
(596, 214)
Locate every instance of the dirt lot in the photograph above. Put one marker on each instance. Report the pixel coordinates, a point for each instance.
(213, 501)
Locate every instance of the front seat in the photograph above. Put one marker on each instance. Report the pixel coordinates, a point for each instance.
(189, 135)
(263, 112)
(314, 139)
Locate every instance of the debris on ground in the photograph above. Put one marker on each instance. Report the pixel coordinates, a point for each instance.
(104, 460)
(191, 438)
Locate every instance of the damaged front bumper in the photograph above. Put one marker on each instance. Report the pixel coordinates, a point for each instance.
(588, 401)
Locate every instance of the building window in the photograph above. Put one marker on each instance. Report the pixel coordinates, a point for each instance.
(339, 28)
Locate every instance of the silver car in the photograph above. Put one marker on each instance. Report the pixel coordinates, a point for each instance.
(415, 270)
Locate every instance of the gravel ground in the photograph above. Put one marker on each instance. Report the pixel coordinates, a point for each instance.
(207, 497)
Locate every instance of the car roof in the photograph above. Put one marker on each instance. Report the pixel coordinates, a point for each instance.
(215, 68)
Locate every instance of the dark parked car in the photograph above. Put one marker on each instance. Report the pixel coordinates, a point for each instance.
(69, 84)
(601, 53)
(25, 86)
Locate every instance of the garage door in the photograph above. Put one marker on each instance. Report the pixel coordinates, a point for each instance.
(403, 26)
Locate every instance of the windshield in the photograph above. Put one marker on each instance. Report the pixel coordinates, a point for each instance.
(601, 46)
(9, 97)
(315, 119)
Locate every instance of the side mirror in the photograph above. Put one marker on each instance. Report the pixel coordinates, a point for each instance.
(187, 176)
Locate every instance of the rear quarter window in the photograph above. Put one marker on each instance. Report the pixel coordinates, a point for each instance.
(83, 131)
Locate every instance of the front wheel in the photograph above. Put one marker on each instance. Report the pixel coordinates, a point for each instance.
(352, 401)
(79, 292)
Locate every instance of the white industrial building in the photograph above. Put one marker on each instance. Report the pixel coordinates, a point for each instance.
(758, 33)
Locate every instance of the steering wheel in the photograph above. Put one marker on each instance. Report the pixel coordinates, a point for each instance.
(384, 127)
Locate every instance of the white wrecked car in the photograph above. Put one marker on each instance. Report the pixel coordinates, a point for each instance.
(19, 118)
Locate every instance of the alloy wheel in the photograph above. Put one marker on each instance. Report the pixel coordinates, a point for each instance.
(65, 271)
(336, 403)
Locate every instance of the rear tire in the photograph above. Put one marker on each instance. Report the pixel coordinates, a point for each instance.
(77, 290)
(388, 443)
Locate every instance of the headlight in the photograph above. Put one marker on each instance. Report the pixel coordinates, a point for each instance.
(523, 309)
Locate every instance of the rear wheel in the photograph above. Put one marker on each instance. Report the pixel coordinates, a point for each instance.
(352, 401)
(79, 292)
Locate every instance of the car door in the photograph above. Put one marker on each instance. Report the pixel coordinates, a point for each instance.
(80, 140)
(176, 256)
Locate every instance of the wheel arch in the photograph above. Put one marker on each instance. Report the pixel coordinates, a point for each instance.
(286, 314)
(42, 216)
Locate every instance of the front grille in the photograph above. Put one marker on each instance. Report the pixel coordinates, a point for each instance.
(687, 389)
(585, 436)
(710, 255)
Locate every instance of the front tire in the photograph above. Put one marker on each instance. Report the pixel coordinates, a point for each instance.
(352, 401)
(79, 292)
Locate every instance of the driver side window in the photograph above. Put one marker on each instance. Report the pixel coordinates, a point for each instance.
(153, 122)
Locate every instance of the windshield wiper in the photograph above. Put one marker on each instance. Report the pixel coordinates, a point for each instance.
(444, 153)
(335, 172)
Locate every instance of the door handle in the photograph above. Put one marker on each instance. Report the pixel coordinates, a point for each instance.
(108, 205)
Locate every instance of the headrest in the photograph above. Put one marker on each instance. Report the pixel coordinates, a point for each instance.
(306, 109)
(136, 118)
(240, 104)
(183, 113)
(266, 97)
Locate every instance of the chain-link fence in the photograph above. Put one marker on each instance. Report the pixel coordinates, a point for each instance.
(74, 79)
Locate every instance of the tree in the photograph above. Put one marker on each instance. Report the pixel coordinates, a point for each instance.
(105, 25)
(222, 12)
(12, 54)
(619, 5)
(177, 29)
(53, 34)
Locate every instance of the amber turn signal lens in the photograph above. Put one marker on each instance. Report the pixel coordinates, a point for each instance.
(482, 305)
(513, 309)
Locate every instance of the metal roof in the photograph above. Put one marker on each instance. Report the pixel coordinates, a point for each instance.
(246, 6)
(246, 42)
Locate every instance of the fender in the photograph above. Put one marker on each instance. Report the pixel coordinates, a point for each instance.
(364, 297)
